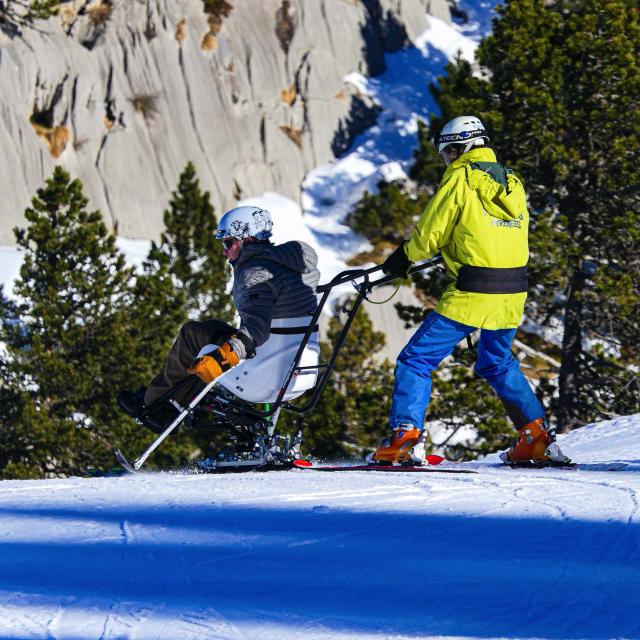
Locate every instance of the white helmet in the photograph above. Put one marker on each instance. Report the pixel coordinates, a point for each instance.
(461, 130)
(245, 222)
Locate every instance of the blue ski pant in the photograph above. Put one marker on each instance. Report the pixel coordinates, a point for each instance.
(435, 340)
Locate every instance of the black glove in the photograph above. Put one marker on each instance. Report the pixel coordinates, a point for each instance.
(397, 264)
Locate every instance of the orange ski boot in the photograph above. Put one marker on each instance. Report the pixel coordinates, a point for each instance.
(397, 448)
(536, 443)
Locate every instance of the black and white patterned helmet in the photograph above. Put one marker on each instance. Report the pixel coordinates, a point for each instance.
(245, 222)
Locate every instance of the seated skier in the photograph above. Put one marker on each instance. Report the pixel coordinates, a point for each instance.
(478, 219)
(274, 293)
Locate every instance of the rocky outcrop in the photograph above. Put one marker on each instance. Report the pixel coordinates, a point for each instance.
(124, 93)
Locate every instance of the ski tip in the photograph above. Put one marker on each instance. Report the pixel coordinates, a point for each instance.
(434, 459)
(302, 464)
(123, 462)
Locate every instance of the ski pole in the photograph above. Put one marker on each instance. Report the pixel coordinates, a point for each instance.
(138, 462)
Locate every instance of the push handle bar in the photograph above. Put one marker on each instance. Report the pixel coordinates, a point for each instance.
(353, 274)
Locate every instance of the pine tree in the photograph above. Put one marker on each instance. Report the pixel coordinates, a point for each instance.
(200, 270)
(16, 14)
(561, 95)
(83, 327)
(351, 415)
(14, 440)
(72, 284)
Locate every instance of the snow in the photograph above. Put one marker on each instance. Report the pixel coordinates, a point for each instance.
(299, 554)
(448, 39)
(135, 250)
(10, 263)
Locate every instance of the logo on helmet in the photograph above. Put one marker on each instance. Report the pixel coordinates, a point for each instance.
(460, 136)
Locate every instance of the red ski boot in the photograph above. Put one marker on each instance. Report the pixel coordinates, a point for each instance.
(535, 444)
(397, 448)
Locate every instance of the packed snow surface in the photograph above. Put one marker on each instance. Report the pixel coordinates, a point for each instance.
(302, 554)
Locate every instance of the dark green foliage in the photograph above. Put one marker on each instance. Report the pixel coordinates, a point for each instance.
(74, 288)
(389, 215)
(14, 441)
(84, 327)
(351, 415)
(428, 166)
(194, 256)
(563, 106)
(16, 14)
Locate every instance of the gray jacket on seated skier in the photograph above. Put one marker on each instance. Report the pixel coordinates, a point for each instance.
(270, 282)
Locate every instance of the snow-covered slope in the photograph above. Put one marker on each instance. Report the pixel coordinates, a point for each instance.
(305, 555)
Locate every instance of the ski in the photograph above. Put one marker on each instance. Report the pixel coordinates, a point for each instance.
(541, 464)
(390, 468)
(570, 466)
(603, 466)
(208, 466)
(462, 468)
(252, 466)
(394, 469)
(434, 465)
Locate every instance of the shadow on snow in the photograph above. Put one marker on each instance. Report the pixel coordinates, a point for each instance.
(415, 574)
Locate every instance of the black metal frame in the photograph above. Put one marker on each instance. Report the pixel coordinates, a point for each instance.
(363, 288)
(242, 418)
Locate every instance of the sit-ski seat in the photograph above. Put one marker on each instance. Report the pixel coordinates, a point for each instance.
(259, 379)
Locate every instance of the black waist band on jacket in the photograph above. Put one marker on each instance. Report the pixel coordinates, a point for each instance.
(492, 280)
(290, 331)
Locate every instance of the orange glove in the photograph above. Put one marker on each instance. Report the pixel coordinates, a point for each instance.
(209, 367)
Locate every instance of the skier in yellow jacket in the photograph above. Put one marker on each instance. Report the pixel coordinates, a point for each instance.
(478, 220)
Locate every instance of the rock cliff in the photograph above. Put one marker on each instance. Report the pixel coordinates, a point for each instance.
(124, 92)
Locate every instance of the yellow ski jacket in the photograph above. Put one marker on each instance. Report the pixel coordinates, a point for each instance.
(474, 220)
